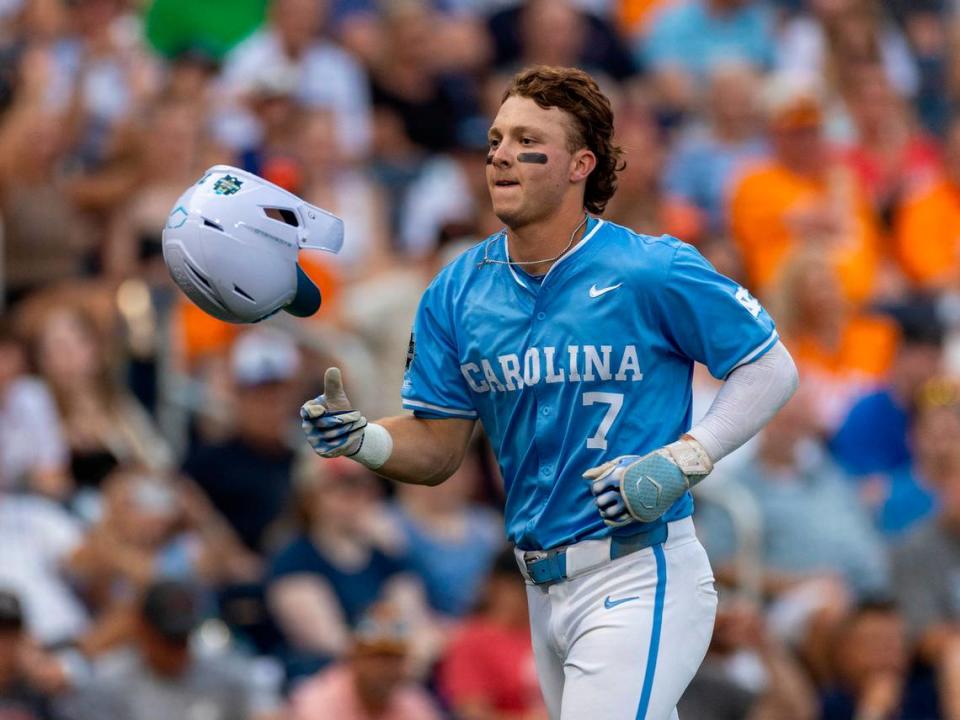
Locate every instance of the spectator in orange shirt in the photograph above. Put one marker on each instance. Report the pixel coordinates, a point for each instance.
(800, 198)
(841, 352)
(488, 672)
(928, 225)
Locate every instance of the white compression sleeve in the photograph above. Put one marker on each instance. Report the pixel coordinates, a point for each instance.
(750, 397)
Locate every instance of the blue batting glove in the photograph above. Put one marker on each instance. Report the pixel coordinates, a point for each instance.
(633, 488)
(332, 427)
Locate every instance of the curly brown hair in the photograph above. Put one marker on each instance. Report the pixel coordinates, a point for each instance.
(576, 93)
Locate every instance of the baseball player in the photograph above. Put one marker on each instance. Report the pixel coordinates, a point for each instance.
(573, 340)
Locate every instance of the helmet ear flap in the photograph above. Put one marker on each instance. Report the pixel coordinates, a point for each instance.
(307, 299)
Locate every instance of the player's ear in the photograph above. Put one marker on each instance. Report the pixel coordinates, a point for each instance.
(581, 165)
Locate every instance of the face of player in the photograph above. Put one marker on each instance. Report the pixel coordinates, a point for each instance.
(531, 171)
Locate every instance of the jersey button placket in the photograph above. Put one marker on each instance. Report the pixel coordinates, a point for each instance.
(543, 422)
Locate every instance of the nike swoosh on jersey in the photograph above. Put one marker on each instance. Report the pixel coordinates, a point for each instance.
(595, 292)
(608, 603)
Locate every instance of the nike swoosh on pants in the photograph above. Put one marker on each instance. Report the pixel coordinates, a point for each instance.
(608, 603)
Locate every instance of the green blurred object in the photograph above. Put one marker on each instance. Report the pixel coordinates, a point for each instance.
(213, 26)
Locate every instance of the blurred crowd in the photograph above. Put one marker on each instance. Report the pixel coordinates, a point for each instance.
(169, 548)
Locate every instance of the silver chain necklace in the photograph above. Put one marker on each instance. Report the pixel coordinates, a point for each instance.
(503, 233)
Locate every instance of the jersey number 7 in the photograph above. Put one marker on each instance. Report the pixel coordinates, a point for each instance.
(615, 401)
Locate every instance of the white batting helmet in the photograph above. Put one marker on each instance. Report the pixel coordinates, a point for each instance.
(231, 244)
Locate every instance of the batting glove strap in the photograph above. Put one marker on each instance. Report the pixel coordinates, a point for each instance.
(332, 435)
(653, 483)
(690, 457)
(345, 443)
(333, 425)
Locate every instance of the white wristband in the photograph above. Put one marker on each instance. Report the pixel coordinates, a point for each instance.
(375, 447)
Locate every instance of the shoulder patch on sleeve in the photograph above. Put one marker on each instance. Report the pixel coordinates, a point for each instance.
(411, 351)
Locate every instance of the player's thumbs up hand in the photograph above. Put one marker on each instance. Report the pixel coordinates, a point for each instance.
(331, 425)
(336, 398)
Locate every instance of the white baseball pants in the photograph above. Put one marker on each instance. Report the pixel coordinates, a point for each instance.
(623, 641)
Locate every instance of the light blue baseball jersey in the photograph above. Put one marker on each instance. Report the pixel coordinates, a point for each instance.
(591, 361)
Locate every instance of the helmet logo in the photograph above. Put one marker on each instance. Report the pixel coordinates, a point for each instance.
(177, 218)
(227, 185)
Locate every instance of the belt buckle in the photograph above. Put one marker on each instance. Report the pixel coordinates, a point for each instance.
(530, 556)
(551, 559)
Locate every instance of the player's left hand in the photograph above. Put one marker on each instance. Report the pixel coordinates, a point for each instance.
(331, 425)
(641, 488)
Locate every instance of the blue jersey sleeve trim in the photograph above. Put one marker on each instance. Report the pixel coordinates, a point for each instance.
(757, 352)
(416, 405)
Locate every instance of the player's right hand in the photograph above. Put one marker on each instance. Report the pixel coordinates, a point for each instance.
(332, 426)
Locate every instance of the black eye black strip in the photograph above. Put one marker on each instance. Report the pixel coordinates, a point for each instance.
(532, 157)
